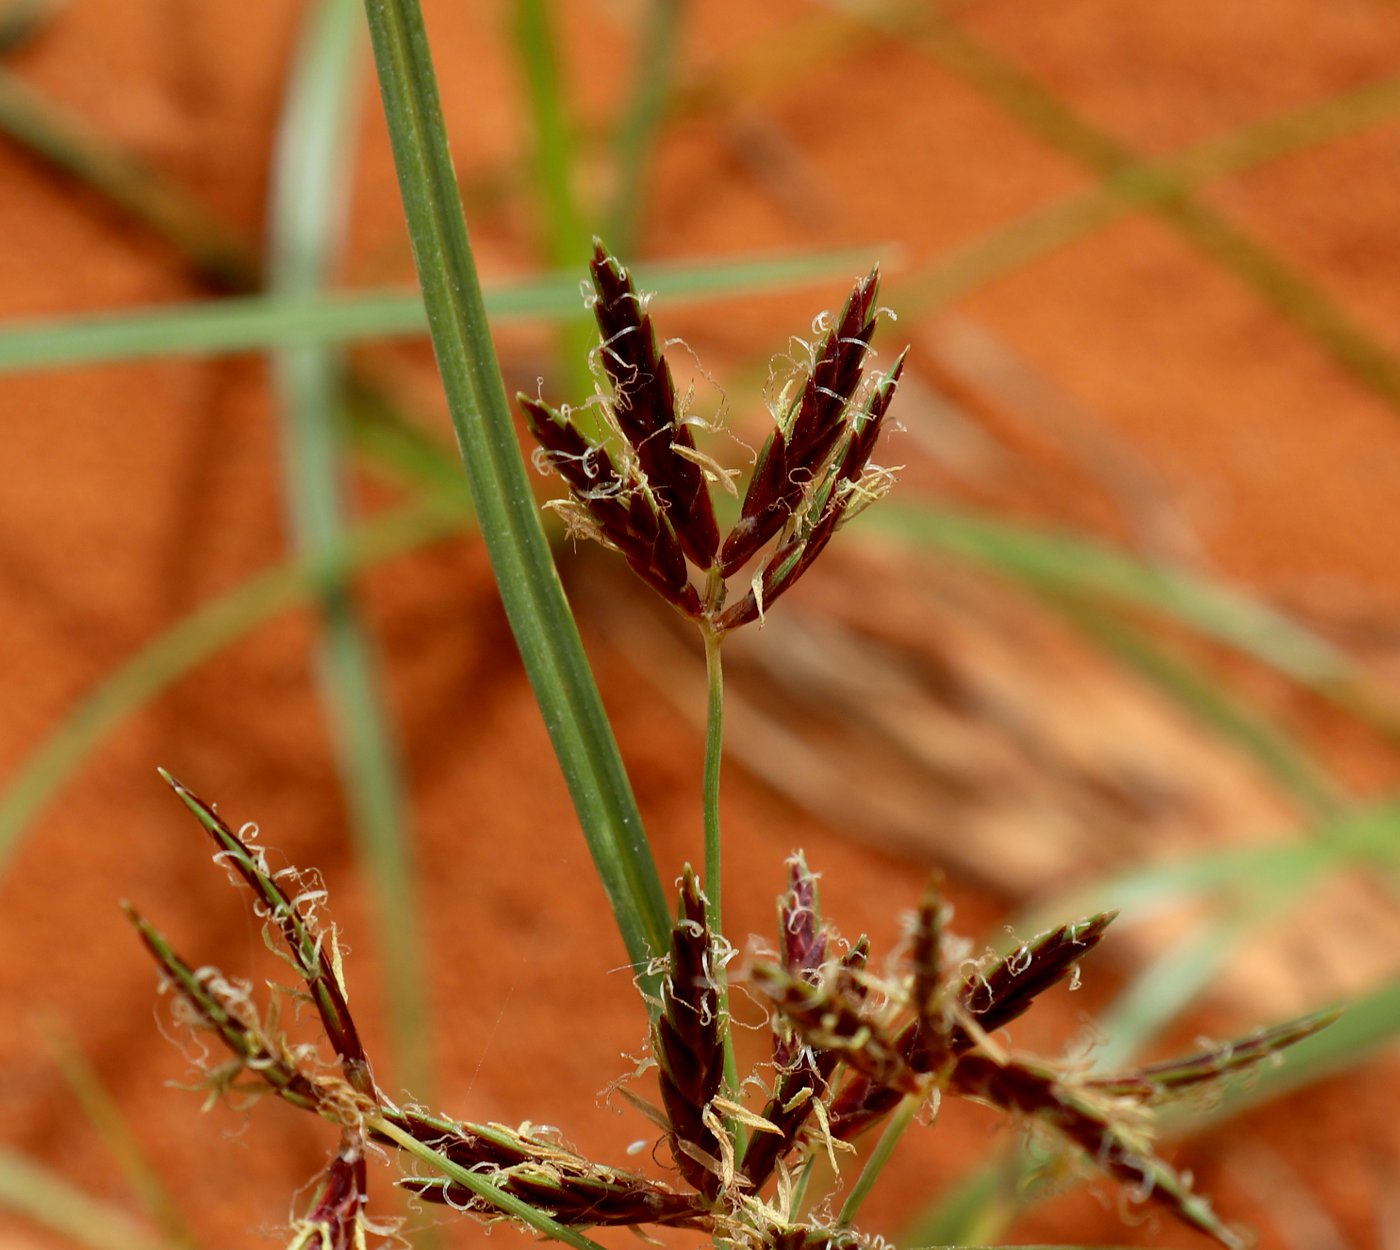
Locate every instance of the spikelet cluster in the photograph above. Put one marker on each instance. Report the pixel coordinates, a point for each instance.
(644, 490)
(847, 1049)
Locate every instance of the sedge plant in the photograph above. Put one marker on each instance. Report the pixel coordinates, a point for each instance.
(859, 1044)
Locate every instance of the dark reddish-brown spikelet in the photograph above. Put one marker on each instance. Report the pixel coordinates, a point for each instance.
(830, 1018)
(995, 998)
(805, 1237)
(220, 1016)
(1162, 1080)
(650, 497)
(791, 460)
(335, 1222)
(926, 958)
(1001, 994)
(310, 953)
(804, 1073)
(572, 1189)
(624, 514)
(1027, 1090)
(801, 935)
(689, 1042)
(645, 409)
(828, 504)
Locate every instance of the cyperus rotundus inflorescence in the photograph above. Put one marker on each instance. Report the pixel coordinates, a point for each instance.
(645, 488)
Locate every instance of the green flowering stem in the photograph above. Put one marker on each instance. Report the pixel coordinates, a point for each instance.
(884, 1148)
(714, 743)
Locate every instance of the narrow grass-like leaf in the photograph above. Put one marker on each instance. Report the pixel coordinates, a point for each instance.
(878, 1159)
(22, 20)
(1277, 754)
(252, 323)
(1180, 972)
(565, 243)
(978, 1208)
(74, 146)
(1364, 836)
(529, 584)
(1138, 185)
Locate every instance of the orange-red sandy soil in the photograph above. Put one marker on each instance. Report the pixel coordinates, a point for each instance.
(899, 712)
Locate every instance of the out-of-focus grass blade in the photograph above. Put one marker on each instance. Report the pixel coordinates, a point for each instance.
(534, 601)
(1366, 1026)
(654, 65)
(1177, 975)
(1078, 566)
(72, 145)
(22, 20)
(256, 322)
(1049, 118)
(54, 1203)
(195, 638)
(566, 243)
(309, 190)
(1279, 756)
(1364, 836)
(1138, 185)
(401, 451)
(104, 1114)
(976, 1210)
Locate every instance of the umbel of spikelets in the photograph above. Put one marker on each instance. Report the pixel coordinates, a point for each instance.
(847, 1050)
(930, 1032)
(644, 488)
(521, 1164)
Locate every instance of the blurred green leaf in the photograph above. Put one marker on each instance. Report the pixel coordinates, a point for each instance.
(52, 1202)
(194, 639)
(257, 322)
(106, 1117)
(1083, 567)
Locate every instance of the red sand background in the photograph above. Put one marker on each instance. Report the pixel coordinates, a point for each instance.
(133, 493)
